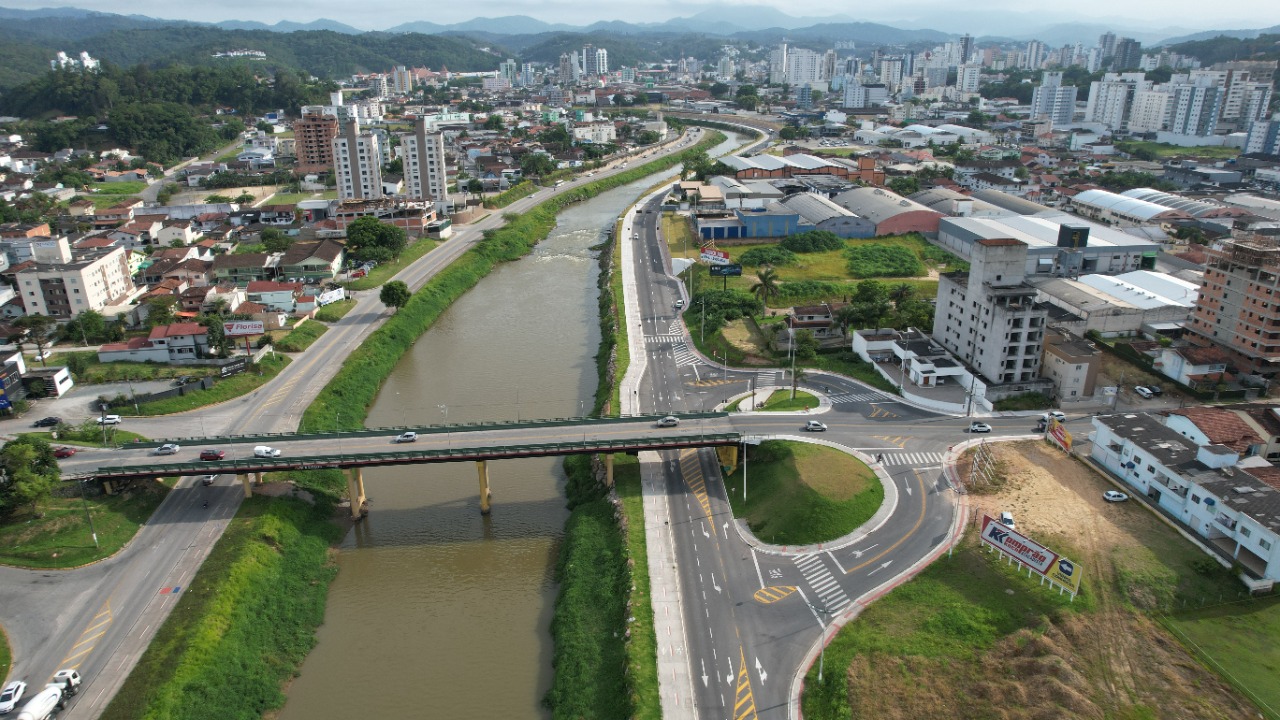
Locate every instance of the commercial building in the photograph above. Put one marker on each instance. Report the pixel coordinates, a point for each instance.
(1072, 365)
(1237, 308)
(63, 284)
(891, 213)
(357, 159)
(1057, 244)
(1135, 302)
(819, 213)
(165, 344)
(1122, 210)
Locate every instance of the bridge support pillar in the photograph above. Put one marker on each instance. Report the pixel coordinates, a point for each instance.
(355, 491)
(257, 478)
(482, 469)
(728, 455)
(248, 487)
(608, 470)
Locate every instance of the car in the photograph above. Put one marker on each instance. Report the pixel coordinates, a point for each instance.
(168, 449)
(212, 454)
(979, 427)
(11, 695)
(109, 420)
(207, 480)
(64, 452)
(266, 451)
(180, 381)
(679, 304)
(1144, 391)
(1006, 519)
(668, 421)
(815, 426)
(43, 355)
(1155, 390)
(1054, 414)
(1114, 496)
(359, 274)
(405, 437)
(48, 421)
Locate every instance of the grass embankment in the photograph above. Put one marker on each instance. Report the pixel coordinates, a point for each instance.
(386, 271)
(354, 387)
(92, 438)
(244, 624)
(230, 388)
(131, 187)
(1163, 151)
(301, 337)
(781, 401)
(1238, 641)
(799, 493)
(522, 189)
(6, 656)
(87, 370)
(61, 538)
(333, 312)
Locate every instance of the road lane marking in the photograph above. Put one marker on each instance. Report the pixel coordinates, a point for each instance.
(768, 595)
(756, 560)
(745, 702)
(912, 531)
(88, 639)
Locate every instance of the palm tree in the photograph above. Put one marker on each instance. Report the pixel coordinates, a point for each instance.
(767, 286)
(900, 293)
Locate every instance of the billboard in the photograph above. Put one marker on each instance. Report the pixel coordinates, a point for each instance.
(243, 328)
(331, 296)
(725, 270)
(1017, 546)
(715, 257)
(1058, 433)
(1067, 574)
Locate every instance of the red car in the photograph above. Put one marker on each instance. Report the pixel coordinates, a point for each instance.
(64, 452)
(212, 454)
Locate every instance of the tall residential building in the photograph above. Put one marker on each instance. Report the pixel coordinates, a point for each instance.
(966, 48)
(62, 284)
(595, 61)
(1050, 99)
(313, 141)
(988, 317)
(1035, 55)
(1149, 110)
(1194, 109)
(778, 64)
(602, 61)
(829, 63)
(968, 78)
(426, 176)
(859, 95)
(1264, 136)
(509, 69)
(357, 162)
(402, 80)
(1107, 44)
(566, 72)
(1128, 54)
(804, 67)
(1236, 307)
(1109, 98)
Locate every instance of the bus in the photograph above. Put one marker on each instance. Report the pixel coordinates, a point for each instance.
(558, 184)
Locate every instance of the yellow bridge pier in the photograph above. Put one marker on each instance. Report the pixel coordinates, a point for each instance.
(248, 486)
(355, 491)
(608, 470)
(485, 495)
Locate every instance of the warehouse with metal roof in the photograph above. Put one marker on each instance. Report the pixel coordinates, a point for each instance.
(824, 214)
(1012, 203)
(891, 213)
(1110, 207)
(956, 204)
(1194, 208)
(1057, 244)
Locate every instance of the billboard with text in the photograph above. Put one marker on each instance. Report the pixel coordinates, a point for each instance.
(1017, 546)
(242, 328)
(715, 257)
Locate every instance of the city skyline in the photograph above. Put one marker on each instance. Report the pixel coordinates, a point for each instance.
(1178, 16)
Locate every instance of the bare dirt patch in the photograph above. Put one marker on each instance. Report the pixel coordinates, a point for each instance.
(1110, 661)
(744, 336)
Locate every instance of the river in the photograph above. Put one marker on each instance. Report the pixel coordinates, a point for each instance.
(438, 611)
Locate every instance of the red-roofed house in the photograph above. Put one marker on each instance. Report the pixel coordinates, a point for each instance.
(1216, 426)
(167, 343)
(1194, 366)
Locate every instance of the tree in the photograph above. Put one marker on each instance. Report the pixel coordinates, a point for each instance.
(30, 472)
(216, 199)
(905, 185)
(395, 294)
(368, 237)
(219, 343)
(475, 187)
(36, 329)
(244, 198)
(494, 122)
(537, 165)
(767, 285)
(160, 310)
(275, 240)
(87, 327)
(806, 345)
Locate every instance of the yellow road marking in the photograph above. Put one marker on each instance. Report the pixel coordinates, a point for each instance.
(878, 411)
(773, 593)
(91, 638)
(745, 702)
(891, 548)
(898, 440)
(69, 658)
(95, 627)
(691, 469)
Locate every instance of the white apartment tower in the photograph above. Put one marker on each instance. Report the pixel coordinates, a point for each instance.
(989, 317)
(1109, 98)
(968, 78)
(426, 176)
(1052, 100)
(402, 80)
(804, 67)
(357, 162)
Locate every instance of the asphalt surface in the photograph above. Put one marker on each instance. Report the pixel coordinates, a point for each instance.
(100, 618)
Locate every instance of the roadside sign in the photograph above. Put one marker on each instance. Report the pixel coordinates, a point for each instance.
(242, 328)
(1067, 574)
(731, 270)
(1016, 545)
(715, 257)
(1059, 435)
(236, 366)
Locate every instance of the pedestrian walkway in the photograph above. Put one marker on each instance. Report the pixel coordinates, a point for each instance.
(843, 398)
(917, 459)
(830, 596)
(684, 356)
(664, 339)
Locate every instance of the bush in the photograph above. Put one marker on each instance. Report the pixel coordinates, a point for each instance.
(768, 255)
(812, 288)
(875, 260)
(813, 241)
(723, 306)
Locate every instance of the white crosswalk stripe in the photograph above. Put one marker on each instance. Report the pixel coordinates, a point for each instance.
(769, 377)
(826, 586)
(912, 458)
(684, 356)
(663, 339)
(856, 397)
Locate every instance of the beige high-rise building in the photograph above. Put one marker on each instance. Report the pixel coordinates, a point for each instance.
(313, 136)
(426, 176)
(357, 162)
(63, 284)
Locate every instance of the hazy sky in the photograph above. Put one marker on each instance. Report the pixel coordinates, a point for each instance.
(972, 16)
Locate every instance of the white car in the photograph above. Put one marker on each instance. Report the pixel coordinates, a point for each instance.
(815, 426)
(668, 421)
(11, 695)
(207, 480)
(979, 427)
(407, 437)
(168, 449)
(109, 420)
(1006, 519)
(266, 451)
(1114, 496)
(1055, 414)
(1144, 391)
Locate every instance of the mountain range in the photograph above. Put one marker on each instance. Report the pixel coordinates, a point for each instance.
(737, 21)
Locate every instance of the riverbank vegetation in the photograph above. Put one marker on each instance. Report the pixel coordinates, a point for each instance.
(356, 384)
(799, 493)
(244, 624)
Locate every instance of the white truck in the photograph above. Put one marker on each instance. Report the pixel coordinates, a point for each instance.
(65, 684)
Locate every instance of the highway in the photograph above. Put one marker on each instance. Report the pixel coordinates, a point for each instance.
(751, 613)
(101, 618)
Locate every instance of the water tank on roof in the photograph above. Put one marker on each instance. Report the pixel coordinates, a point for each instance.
(904, 203)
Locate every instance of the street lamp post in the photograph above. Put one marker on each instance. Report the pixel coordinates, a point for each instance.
(87, 514)
(102, 420)
(822, 652)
